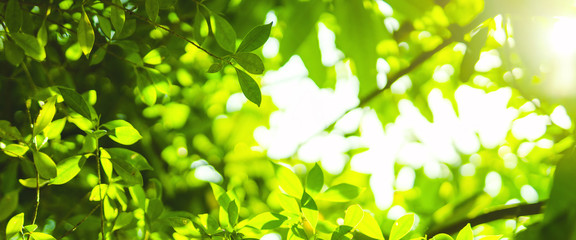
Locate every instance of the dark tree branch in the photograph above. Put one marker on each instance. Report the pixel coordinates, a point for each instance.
(507, 212)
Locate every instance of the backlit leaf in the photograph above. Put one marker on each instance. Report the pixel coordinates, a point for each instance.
(14, 226)
(354, 215)
(340, 193)
(289, 182)
(153, 57)
(267, 221)
(41, 236)
(45, 165)
(370, 227)
(68, 169)
(117, 16)
(442, 236)
(129, 156)
(98, 192)
(250, 61)
(15, 150)
(54, 129)
(402, 226)
(13, 17)
(31, 182)
(249, 87)
(45, 116)
(42, 35)
(224, 33)
(85, 34)
(127, 171)
(9, 203)
(314, 180)
(466, 233)
(309, 210)
(126, 135)
(152, 8)
(199, 22)
(30, 45)
(255, 38)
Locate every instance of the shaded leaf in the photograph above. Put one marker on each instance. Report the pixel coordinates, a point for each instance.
(9, 203)
(402, 226)
(250, 61)
(233, 210)
(249, 87)
(473, 50)
(45, 165)
(309, 210)
(354, 215)
(224, 33)
(98, 56)
(215, 67)
(267, 221)
(117, 16)
(289, 182)
(14, 54)
(129, 156)
(199, 21)
(255, 38)
(45, 116)
(155, 208)
(105, 26)
(68, 169)
(314, 180)
(14, 226)
(152, 8)
(340, 193)
(85, 34)
(75, 101)
(13, 17)
(30, 45)
(127, 171)
(9, 132)
(341, 233)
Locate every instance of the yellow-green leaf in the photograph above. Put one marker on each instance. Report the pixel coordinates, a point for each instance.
(41, 236)
(314, 180)
(14, 54)
(53, 130)
(442, 236)
(117, 16)
(153, 57)
(45, 116)
(289, 182)
(98, 192)
(466, 233)
(14, 226)
(127, 135)
(85, 34)
(15, 150)
(45, 165)
(250, 61)
(369, 227)
(340, 193)
(354, 215)
(267, 221)
(68, 169)
(402, 226)
(9, 132)
(31, 182)
(30, 45)
(309, 210)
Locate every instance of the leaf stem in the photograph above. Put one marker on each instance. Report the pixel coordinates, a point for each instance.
(81, 221)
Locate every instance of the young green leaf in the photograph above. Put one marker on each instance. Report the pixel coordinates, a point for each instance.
(30, 45)
(15, 150)
(314, 180)
(296, 233)
(9, 203)
(9, 132)
(267, 221)
(215, 67)
(129, 156)
(442, 236)
(354, 215)
(14, 54)
(68, 169)
(14, 226)
(45, 116)
(126, 135)
(340, 193)
(491, 237)
(289, 182)
(402, 226)
(13, 17)
(41, 236)
(54, 129)
(42, 35)
(224, 33)
(466, 233)
(98, 192)
(255, 38)
(85, 34)
(31, 182)
(309, 210)
(249, 87)
(369, 227)
(90, 143)
(127, 171)
(153, 57)
(117, 16)
(45, 165)
(152, 9)
(233, 210)
(250, 61)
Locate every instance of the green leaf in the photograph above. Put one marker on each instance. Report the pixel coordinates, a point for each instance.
(116, 123)
(45, 165)
(215, 67)
(340, 193)
(14, 54)
(370, 227)
(31, 182)
(90, 143)
(199, 21)
(14, 226)
(9, 203)
(249, 87)
(300, 22)
(342, 232)
(314, 180)
(155, 208)
(124, 218)
(127, 171)
(117, 16)
(98, 56)
(309, 210)
(473, 50)
(442, 236)
(105, 26)
(41, 236)
(30, 45)
(296, 233)
(289, 182)
(75, 101)
(15, 150)
(153, 57)
(224, 33)
(42, 35)
(54, 129)
(85, 33)
(491, 237)
(68, 169)
(31, 227)
(98, 192)
(126, 135)
(45, 116)
(402, 226)
(152, 9)
(129, 156)
(9, 132)
(354, 215)
(255, 38)
(138, 195)
(250, 61)
(233, 213)
(267, 221)
(13, 17)
(466, 233)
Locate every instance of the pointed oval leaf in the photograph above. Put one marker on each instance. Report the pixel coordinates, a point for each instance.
(233, 213)
(45, 116)
(442, 236)
(466, 233)
(30, 45)
(42, 35)
(68, 169)
(45, 165)
(31, 182)
(289, 182)
(199, 23)
(9, 203)
(54, 129)
(215, 67)
(13, 17)
(85, 34)
(340, 193)
(309, 210)
(153, 57)
(9, 132)
(314, 180)
(249, 87)
(41, 236)
(98, 56)
(126, 135)
(105, 26)
(267, 221)
(116, 123)
(369, 227)
(354, 215)
(15, 150)
(255, 38)
(14, 226)
(130, 157)
(402, 226)
(117, 16)
(152, 9)
(127, 171)
(224, 33)
(250, 61)
(14, 54)
(98, 192)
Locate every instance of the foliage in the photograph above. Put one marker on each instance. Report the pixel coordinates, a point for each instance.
(397, 119)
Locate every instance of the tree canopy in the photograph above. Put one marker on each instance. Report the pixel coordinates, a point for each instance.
(293, 119)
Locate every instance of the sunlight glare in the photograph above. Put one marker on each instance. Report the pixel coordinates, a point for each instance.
(563, 36)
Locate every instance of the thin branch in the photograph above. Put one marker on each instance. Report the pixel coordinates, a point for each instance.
(507, 212)
(100, 194)
(37, 195)
(78, 224)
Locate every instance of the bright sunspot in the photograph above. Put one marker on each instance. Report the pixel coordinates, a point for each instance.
(563, 36)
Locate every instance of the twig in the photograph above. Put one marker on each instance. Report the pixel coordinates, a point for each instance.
(100, 193)
(37, 195)
(507, 212)
(78, 224)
